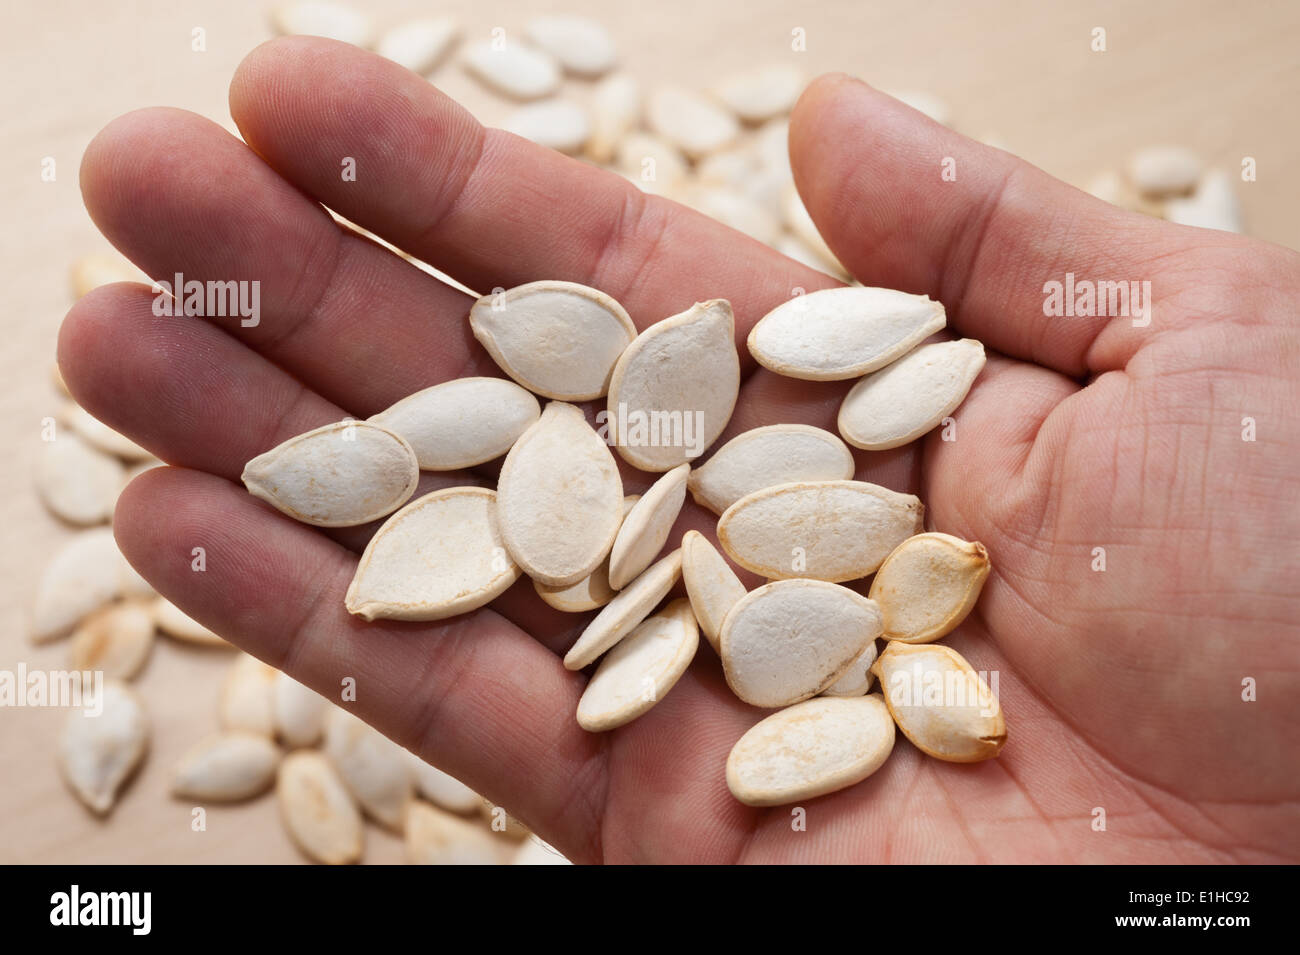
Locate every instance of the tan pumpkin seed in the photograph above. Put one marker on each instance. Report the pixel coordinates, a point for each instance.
(759, 94)
(928, 585)
(226, 768)
(816, 747)
(513, 69)
(711, 584)
(641, 669)
(336, 21)
(559, 339)
(653, 164)
(246, 702)
(420, 45)
(179, 625)
(590, 593)
(374, 768)
(92, 271)
(340, 475)
(766, 457)
(435, 837)
(901, 402)
(581, 44)
(673, 390)
(646, 527)
(940, 702)
(441, 555)
(615, 111)
(115, 639)
(84, 575)
(554, 123)
(632, 605)
(695, 123)
(299, 711)
(76, 481)
(102, 745)
(317, 810)
(1164, 170)
(559, 498)
(789, 640)
(99, 435)
(826, 530)
(442, 789)
(857, 679)
(461, 423)
(842, 333)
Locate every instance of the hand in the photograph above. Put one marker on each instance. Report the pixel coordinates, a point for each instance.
(1122, 688)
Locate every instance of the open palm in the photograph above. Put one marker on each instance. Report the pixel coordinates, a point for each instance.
(1122, 687)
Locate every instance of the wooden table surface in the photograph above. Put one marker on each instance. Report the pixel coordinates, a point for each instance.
(1220, 78)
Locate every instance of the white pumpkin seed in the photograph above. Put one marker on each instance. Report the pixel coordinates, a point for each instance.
(800, 222)
(760, 94)
(813, 748)
(317, 810)
(646, 527)
(116, 639)
(826, 530)
(734, 209)
(857, 679)
(98, 751)
(590, 593)
(442, 789)
(434, 837)
(92, 271)
(559, 498)
(673, 390)
(513, 69)
(179, 625)
(101, 436)
(842, 333)
(340, 475)
(901, 402)
(247, 702)
(441, 555)
(299, 711)
(789, 640)
(374, 768)
(711, 584)
(796, 248)
(641, 669)
(940, 702)
(765, 457)
(615, 111)
(336, 21)
(559, 339)
(554, 123)
(653, 164)
(77, 482)
(581, 44)
(632, 605)
(85, 574)
(1164, 170)
(1214, 205)
(226, 768)
(420, 45)
(695, 123)
(928, 585)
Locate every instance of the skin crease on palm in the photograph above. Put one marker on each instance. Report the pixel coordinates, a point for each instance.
(1122, 689)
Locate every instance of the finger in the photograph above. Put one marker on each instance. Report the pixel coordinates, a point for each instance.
(178, 194)
(871, 172)
(484, 206)
(473, 695)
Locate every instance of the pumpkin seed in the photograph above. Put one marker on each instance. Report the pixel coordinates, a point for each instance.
(246, 702)
(646, 527)
(711, 584)
(441, 555)
(99, 751)
(632, 605)
(374, 768)
(317, 810)
(694, 123)
(434, 837)
(99, 435)
(581, 44)
(590, 593)
(559, 498)
(816, 747)
(513, 69)
(299, 711)
(615, 111)
(420, 45)
(826, 530)
(554, 123)
(92, 271)
(928, 585)
(789, 640)
(905, 400)
(336, 21)
(85, 574)
(226, 768)
(1164, 170)
(559, 339)
(78, 482)
(339, 475)
(940, 703)
(441, 788)
(765, 457)
(640, 669)
(857, 679)
(461, 423)
(760, 94)
(176, 623)
(115, 639)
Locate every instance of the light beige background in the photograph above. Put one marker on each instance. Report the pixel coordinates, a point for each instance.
(1219, 77)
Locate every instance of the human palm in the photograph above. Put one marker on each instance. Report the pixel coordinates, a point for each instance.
(1122, 687)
